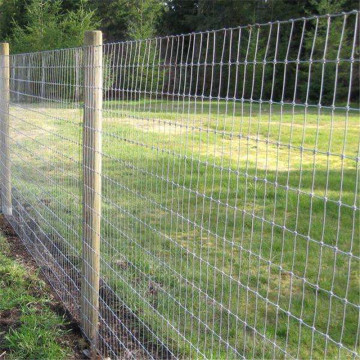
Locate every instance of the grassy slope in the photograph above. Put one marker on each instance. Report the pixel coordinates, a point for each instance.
(30, 329)
(153, 155)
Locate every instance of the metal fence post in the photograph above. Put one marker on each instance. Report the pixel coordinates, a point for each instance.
(91, 184)
(4, 112)
(43, 65)
(77, 75)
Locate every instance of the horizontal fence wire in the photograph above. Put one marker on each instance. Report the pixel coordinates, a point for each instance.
(230, 188)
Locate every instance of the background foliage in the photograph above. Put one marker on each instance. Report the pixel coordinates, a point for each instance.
(42, 24)
(33, 25)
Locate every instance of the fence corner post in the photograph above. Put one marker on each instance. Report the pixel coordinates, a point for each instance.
(6, 201)
(92, 125)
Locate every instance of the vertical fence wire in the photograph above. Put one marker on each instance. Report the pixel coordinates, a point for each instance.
(230, 182)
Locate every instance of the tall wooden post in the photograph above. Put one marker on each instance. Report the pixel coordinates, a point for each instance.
(91, 184)
(6, 202)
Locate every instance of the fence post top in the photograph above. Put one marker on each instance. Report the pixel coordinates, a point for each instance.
(4, 48)
(93, 37)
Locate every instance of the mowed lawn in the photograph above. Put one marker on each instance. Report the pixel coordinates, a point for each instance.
(230, 229)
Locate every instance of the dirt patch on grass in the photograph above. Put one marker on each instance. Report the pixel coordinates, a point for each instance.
(17, 249)
(9, 319)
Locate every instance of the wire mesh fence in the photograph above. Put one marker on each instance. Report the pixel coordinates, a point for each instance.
(230, 188)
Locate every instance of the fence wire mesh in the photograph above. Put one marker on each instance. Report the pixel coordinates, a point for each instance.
(230, 188)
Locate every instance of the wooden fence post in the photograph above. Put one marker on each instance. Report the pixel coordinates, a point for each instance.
(91, 184)
(6, 200)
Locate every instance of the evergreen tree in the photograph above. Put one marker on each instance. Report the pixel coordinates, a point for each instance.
(11, 11)
(47, 27)
(123, 19)
(144, 17)
(114, 16)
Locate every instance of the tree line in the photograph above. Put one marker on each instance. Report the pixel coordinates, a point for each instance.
(33, 25)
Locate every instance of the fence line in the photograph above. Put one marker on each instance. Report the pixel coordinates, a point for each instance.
(229, 219)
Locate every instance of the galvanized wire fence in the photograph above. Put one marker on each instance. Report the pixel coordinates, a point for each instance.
(230, 188)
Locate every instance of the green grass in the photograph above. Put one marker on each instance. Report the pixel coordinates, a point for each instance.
(165, 163)
(34, 331)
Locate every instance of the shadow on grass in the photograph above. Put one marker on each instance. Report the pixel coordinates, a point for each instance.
(230, 261)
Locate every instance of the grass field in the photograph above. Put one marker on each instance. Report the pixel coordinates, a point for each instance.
(29, 326)
(223, 224)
